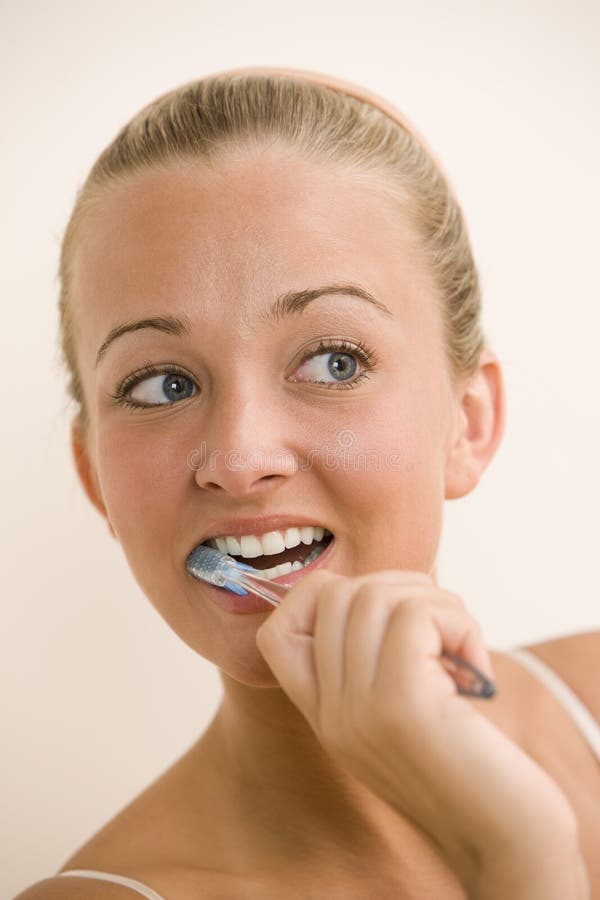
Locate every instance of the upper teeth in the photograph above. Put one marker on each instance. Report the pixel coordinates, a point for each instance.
(251, 545)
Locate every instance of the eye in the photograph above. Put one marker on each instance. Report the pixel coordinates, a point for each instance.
(335, 364)
(152, 386)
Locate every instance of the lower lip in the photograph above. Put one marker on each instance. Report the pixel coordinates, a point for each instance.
(252, 603)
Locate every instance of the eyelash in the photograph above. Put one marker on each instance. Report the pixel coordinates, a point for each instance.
(361, 351)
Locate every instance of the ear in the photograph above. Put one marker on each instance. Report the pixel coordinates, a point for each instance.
(86, 471)
(478, 427)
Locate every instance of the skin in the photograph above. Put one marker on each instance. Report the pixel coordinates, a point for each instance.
(218, 246)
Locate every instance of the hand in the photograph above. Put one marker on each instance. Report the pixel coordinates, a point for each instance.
(360, 658)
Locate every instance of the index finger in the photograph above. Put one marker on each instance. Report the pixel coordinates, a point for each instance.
(297, 610)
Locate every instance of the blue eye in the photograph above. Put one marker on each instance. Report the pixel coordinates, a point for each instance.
(154, 387)
(340, 366)
(336, 360)
(333, 364)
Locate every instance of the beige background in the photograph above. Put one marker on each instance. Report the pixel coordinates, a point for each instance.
(97, 695)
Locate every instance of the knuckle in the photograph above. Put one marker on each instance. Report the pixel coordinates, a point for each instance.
(476, 625)
(390, 578)
(454, 600)
(411, 607)
(321, 579)
(460, 603)
(404, 576)
(367, 593)
(332, 593)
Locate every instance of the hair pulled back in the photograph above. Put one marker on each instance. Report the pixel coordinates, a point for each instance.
(205, 119)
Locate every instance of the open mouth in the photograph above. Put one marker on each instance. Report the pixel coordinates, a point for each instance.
(274, 565)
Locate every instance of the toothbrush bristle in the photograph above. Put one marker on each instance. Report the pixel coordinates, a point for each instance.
(209, 564)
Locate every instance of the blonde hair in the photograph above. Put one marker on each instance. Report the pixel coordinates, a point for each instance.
(205, 119)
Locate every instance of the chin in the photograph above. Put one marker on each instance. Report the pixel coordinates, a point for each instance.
(253, 679)
(255, 674)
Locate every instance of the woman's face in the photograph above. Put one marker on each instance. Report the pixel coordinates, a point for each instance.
(356, 443)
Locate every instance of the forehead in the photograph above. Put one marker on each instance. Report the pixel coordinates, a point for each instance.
(225, 241)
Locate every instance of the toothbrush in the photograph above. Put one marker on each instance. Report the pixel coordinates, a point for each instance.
(221, 570)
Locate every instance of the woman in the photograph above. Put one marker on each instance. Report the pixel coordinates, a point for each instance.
(271, 318)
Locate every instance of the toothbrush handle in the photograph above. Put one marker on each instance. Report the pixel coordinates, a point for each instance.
(244, 576)
(468, 679)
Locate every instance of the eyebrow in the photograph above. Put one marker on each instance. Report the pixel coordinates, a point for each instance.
(289, 304)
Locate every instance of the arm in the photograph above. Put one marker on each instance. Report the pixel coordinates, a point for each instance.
(552, 870)
(360, 658)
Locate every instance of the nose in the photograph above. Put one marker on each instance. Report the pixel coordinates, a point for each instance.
(246, 449)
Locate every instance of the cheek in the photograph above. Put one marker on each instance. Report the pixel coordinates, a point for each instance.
(142, 479)
(143, 491)
(392, 483)
(397, 515)
(141, 486)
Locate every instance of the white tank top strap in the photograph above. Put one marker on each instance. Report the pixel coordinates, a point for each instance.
(580, 714)
(142, 889)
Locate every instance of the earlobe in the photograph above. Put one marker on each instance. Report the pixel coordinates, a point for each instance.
(86, 471)
(478, 429)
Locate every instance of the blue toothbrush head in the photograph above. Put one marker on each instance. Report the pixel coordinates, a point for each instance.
(207, 564)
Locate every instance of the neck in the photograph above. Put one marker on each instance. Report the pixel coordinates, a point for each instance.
(286, 794)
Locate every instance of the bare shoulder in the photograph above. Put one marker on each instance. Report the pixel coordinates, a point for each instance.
(73, 888)
(536, 721)
(576, 659)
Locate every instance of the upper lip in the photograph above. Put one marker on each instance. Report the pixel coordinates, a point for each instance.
(236, 527)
